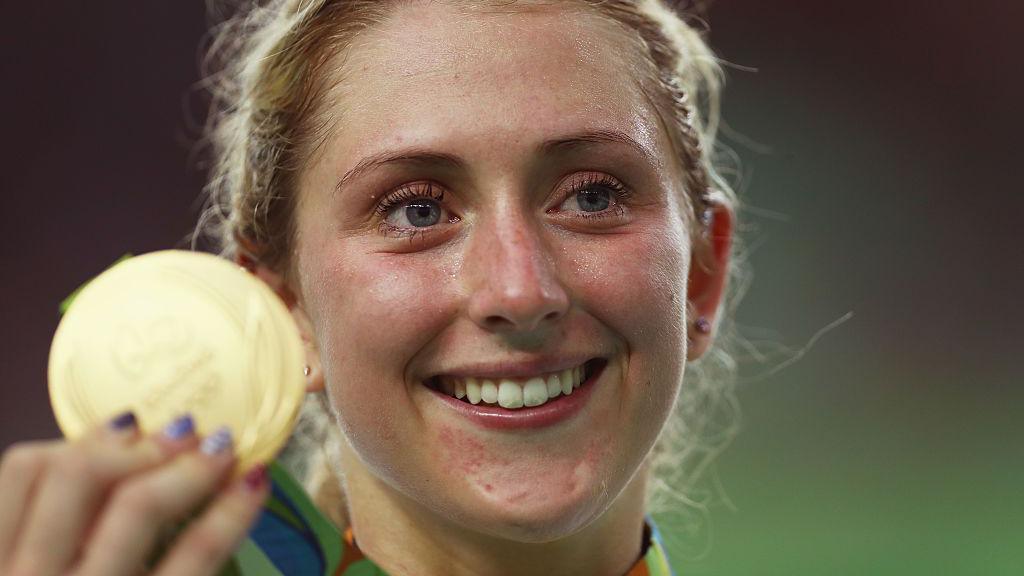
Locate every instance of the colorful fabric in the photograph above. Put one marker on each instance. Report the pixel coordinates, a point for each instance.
(292, 538)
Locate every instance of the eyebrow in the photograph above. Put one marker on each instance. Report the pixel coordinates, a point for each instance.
(421, 156)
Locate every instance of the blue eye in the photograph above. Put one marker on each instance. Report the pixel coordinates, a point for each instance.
(413, 207)
(592, 194)
(593, 200)
(422, 213)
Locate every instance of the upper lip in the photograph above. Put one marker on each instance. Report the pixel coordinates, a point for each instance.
(515, 368)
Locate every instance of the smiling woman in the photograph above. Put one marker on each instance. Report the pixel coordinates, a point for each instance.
(501, 229)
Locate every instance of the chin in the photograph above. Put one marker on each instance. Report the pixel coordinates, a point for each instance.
(535, 525)
(529, 515)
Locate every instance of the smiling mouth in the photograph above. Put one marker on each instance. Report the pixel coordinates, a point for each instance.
(517, 393)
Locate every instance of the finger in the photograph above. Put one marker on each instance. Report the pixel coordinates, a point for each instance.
(140, 507)
(22, 466)
(208, 543)
(74, 486)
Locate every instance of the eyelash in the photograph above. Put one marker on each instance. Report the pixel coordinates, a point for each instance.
(400, 196)
(579, 184)
(409, 193)
(620, 194)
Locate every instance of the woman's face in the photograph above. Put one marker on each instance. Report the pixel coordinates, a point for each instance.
(527, 222)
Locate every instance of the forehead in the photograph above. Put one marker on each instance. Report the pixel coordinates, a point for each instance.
(490, 79)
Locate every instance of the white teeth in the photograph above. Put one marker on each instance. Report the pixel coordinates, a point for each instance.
(567, 381)
(510, 395)
(472, 390)
(489, 392)
(513, 394)
(554, 386)
(535, 392)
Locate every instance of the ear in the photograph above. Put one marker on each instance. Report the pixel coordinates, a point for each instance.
(709, 272)
(277, 283)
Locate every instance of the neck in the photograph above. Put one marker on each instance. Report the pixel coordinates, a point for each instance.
(403, 537)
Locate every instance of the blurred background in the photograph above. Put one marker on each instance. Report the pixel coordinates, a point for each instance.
(881, 167)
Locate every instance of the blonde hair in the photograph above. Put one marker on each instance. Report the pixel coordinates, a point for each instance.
(266, 119)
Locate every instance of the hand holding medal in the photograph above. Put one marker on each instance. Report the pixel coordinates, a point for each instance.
(175, 376)
(177, 332)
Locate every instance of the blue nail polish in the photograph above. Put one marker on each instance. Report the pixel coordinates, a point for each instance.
(216, 442)
(181, 427)
(123, 421)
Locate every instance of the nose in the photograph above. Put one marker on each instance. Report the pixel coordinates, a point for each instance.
(513, 280)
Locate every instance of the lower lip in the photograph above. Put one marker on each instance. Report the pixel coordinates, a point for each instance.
(559, 409)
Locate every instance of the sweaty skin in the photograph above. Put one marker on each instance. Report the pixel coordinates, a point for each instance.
(512, 271)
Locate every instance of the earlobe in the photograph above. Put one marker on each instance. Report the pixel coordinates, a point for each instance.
(709, 271)
(312, 370)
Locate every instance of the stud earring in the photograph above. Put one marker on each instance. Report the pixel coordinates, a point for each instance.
(706, 215)
(702, 325)
(306, 370)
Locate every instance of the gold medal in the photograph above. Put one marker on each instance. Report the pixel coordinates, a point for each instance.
(172, 332)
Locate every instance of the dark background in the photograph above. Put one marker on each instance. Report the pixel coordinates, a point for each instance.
(882, 175)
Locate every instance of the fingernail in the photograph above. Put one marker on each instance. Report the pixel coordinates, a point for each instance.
(217, 442)
(256, 477)
(124, 421)
(181, 427)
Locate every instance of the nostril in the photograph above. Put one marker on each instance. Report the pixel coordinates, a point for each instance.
(499, 321)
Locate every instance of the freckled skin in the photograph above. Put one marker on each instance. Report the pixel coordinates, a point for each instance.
(388, 312)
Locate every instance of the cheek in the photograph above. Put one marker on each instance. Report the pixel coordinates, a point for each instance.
(636, 283)
(371, 314)
(372, 306)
